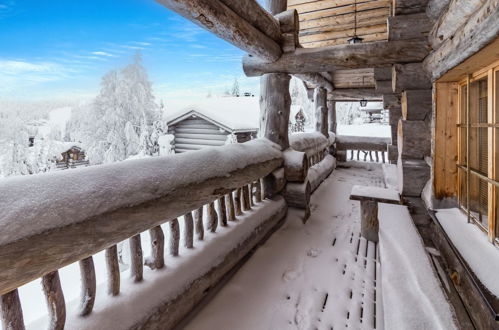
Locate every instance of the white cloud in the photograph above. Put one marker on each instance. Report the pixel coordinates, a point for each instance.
(103, 54)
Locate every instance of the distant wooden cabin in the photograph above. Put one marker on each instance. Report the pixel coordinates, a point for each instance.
(72, 157)
(209, 122)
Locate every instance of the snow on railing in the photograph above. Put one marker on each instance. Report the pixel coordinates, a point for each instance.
(366, 145)
(43, 230)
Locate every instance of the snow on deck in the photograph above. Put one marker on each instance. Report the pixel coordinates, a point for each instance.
(412, 296)
(321, 275)
(472, 244)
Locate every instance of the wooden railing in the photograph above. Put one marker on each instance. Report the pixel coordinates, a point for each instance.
(364, 146)
(43, 231)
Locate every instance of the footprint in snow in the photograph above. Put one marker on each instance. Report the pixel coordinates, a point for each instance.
(314, 252)
(290, 275)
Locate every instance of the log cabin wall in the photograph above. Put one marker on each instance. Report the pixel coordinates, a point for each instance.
(195, 134)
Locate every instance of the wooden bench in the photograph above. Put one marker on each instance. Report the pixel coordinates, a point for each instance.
(369, 198)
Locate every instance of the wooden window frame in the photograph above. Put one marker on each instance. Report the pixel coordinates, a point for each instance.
(491, 73)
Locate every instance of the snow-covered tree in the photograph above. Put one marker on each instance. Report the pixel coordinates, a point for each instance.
(299, 96)
(123, 120)
(235, 88)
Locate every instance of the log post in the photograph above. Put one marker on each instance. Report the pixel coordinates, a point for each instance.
(136, 256)
(11, 311)
(414, 140)
(88, 286)
(212, 218)
(175, 237)
(257, 191)
(331, 105)
(222, 212)
(55, 300)
(157, 259)
(245, 198)
(237, 201)
(320, 102)
(198, 218)
(188, 230)
(409, 76)
(113, 271)
(416, 104)
(229, 201)
(275, 104)
(369, 226)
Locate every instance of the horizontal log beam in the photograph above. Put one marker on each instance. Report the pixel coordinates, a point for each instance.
(316, 79)
(60, 246)
(480, 30)
(354, 94)
(457, 14)
(257, 16)
(356, 56)
(218, 18)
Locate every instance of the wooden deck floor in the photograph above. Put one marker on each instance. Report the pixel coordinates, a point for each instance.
(321, 275)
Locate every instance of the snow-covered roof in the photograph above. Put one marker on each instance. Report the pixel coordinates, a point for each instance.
(231, 113)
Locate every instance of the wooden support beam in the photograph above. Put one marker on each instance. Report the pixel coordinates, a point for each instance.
(354, 94)
(480, 30)
(320, 102)
(435, 8)
(391, 101)
(383, 73)
(383, 87)
(216, 17)
(412, 176)
(275, 105)
(416, 104)
(366, 55)
(409, 76)
(353, 78)
(257, 16)
(331, 105)
(316, 79)
(409, 27)
(11, 311)
(405, 7)
(414, 141)
(276, 6)
(456, 15)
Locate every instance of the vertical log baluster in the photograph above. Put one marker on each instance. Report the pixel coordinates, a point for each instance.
(377, 156)
(11, 311)
(229, 201)
(55, 300)
(258, 191)
(251, 188)
(245, 198)
(222, 214)
(212, 218)
(237, 201)
(370, 156)
(113, 271)
(174, 237)
(198, 217)
(188, 230)
(157, 258)
(136, 256)
(358, 154)
(88, 286)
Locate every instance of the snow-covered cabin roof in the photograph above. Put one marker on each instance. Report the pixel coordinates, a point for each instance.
(234, 114)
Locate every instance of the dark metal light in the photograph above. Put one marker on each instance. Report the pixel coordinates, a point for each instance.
(363, 103)
(355, 40)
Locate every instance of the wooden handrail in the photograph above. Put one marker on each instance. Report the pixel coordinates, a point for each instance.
(139, 195)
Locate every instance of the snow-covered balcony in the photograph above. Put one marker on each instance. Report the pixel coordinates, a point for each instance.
(215, 206)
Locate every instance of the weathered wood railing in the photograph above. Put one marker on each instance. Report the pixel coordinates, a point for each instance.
(361, 144)
(306, 164)
(41, 233)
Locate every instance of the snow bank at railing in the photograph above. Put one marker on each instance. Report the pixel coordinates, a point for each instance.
(472, 244)
(412, 295)
(36, 203)
(304, 141)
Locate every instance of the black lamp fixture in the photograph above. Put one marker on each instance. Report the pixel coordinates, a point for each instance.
(363, 103)
(355, 39)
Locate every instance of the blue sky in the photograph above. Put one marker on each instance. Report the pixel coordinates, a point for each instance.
(61, 48)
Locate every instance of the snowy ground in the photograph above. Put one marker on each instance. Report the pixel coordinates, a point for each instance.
(374, 130)
(315, 276)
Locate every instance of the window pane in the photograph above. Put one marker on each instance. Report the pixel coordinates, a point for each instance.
(479, 149)
(462, 105)
(462, 188)
(478, 101)
(479, 199)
